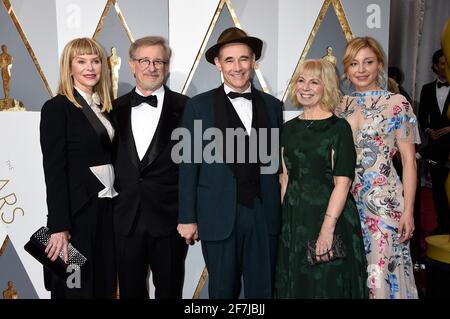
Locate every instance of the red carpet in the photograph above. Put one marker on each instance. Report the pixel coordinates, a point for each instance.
(428, 223)
(428, 220)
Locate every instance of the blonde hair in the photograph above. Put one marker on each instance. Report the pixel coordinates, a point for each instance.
(358, 43)
(393, 86)
(326, 72)
(81, 46)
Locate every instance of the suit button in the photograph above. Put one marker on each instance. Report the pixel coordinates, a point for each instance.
(141, 180)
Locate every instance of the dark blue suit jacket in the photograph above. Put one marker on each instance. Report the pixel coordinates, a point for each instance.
(207, 191)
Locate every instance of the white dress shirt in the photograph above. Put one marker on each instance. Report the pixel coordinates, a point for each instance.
(144, 121)
(104, 173)
(243, 107)
(441, 95)
(94, 101)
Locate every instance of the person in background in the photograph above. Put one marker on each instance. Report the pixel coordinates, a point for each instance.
(398, 76)
(435, 122)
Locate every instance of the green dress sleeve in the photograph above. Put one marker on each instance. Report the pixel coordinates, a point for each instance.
(344, 158)
(282, 143)
(402, 120)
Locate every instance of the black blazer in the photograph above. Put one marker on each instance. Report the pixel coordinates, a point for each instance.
(430, 115)
(150, 186)
(72, 140)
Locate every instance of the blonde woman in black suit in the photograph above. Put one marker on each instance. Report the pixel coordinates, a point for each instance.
(76, 140)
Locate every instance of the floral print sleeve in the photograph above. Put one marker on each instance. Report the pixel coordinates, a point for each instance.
(402, 120)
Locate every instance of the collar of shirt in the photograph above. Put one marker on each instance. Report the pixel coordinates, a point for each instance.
(441, 94)
(94, 101)
(443, 90)
(90, 99)
(439, 80)
(227, 90)
(159, 95)
(242, 106)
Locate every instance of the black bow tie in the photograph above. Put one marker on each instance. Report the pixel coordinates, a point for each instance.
(138, 99)
(247, 95)
(441, 84)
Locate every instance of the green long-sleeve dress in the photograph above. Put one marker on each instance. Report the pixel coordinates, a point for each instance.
(314, 152)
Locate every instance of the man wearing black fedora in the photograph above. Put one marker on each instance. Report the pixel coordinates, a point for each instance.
(233, 205)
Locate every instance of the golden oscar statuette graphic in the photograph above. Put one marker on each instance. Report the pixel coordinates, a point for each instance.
(10, 292)
(445, 43)
(114, 62)
(6, 63)
(329, 56)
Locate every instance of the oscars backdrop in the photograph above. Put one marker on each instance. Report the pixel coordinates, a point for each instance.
(33, 34)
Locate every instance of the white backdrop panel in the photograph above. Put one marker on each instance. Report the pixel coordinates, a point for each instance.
(21, 165)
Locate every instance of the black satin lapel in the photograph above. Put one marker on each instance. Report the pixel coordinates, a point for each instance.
(262, 119)
(126, 132)
(167, 121)
(94, 121)
(258, 99)
(434, 96)
(445, 110)
(221, 116)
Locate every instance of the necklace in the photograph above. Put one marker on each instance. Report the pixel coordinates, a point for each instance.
(311, 122)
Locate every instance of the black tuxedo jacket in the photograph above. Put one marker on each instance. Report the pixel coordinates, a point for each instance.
(72, 140)
(148, 188)
(430, 115)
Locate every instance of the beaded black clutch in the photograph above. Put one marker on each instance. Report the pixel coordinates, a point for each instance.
(337, 249)
(36, 248)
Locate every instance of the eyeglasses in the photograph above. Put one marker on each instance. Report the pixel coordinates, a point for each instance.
(145, 63)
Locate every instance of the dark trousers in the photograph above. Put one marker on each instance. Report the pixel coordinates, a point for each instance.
(92, 234)
(438, 176)
(165, 256)
(249, 252)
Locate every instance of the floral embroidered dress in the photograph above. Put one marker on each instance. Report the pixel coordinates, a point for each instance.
(379, 119)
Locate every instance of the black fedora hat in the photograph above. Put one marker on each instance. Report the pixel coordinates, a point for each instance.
(234, 35)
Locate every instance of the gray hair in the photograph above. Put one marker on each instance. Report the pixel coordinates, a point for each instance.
(150, 41)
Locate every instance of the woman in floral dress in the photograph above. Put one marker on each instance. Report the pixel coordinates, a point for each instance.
(383, 123)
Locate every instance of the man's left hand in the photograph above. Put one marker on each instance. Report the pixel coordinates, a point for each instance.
(189, 232)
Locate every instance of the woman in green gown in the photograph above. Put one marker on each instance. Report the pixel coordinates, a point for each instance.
(318, 160)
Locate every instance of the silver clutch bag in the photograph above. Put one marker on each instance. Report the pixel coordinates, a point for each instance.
(36, 247)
